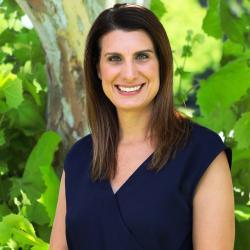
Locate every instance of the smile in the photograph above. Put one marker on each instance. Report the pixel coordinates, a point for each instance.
(129, 89)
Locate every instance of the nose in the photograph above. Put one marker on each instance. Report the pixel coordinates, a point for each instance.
(129, 71)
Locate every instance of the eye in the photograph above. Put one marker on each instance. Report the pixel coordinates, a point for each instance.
(142, 56)
(114, 59)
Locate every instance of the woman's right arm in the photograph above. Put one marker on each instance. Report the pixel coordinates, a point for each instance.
(58, 237)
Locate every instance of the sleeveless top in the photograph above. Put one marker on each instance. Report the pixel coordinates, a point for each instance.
(150, 211)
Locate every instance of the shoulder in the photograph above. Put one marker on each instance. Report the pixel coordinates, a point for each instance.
(201, 134)
(207, 142)
(82, 143)
(214, 202)
(203, 148)
(79, 151)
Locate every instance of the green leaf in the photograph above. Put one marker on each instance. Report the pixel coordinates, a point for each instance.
(189, 35)
(242, 239)
(49, 197)
(212, 23)
(242, 212)
(241, 154)
(158, 7)
(16, 187)
(5, 234)
(42, 154)
(199, 38)
(5, 74)
(13, 92)
(235, 27)
(12, 244)
(242, 134)
(3, 106)
(7, 49)
(36, 212)
(13, 22)
(11, 86)
(243, 178)
(45, 246)
(39, 71)
(232, 49)
(186, 51)
(28, 47)
(33, 88)
(2, 137)
(27, 69)
(25, 199)
(5, 185)
(41, 245)
(16, 229)
(19, 227)
(27, 118)
(222, 89)
(3, 168)
(3, 23)
(4, 210)
(35, 181)
(217, 119)
(222, 19)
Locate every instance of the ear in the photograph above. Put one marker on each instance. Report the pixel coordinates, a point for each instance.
(98, 71)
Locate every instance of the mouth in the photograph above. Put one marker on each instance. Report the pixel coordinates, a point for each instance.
(129, 89)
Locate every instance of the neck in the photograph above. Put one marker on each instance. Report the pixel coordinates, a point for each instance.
(133, 126)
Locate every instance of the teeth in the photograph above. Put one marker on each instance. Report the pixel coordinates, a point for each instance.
(129, 89)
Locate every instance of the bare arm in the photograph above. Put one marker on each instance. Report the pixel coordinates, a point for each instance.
(58, 237)
(213, 208)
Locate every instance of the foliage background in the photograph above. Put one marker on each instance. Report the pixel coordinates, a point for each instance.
(211, 45)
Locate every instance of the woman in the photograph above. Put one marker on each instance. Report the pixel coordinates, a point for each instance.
(146, 177)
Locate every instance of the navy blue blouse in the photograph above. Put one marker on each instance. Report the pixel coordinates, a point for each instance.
(150, 211)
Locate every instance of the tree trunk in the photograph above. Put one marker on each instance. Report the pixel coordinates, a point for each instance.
(62, 27)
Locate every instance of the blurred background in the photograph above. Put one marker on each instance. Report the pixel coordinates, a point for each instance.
(42, 111)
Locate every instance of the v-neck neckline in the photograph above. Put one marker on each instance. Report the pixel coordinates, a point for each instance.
(137, 171)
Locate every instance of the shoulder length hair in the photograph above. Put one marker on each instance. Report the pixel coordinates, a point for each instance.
(169, 128)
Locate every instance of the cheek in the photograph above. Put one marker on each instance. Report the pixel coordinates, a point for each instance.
(108, 73)
(153, 75)
(152, 71)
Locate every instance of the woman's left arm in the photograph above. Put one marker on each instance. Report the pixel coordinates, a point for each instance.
(213, 208)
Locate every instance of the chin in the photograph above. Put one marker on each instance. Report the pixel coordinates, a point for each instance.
(131, 108)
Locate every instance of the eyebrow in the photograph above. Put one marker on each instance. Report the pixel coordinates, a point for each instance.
(137, 52)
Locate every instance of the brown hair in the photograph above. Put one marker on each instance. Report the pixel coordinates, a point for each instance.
(167, 126)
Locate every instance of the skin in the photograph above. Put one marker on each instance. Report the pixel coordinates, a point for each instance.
(129, 59)
(213, 208)
(58, 237)
(213, 204)
(123, 63)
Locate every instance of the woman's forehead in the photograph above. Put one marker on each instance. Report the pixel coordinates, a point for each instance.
(121, 40)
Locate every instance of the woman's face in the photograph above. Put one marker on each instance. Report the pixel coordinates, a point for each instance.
(128, 69)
